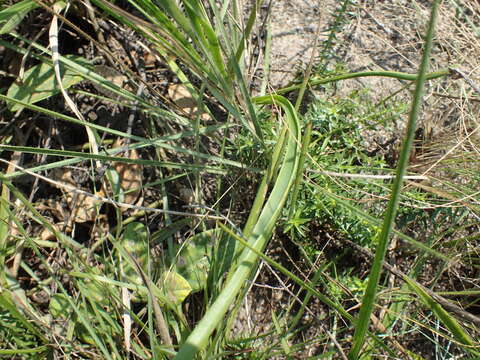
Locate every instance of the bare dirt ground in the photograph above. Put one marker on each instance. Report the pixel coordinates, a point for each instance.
(380, 35)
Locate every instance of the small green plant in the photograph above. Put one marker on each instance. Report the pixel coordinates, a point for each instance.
(337, 148)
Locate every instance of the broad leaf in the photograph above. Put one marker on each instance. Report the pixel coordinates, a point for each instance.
(135, 242)
(193, 261)
(174, 287)
(39, 83)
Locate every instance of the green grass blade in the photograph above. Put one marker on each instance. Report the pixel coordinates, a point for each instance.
(206, 36)
(256, 131)
(248, 30)
(259, 237)
(105, 158)
(42, 349)
(13, 15)
(449, 321)
(390, 74)
(4, 226)
(370, 293)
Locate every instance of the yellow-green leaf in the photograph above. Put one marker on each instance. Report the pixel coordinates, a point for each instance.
(174, 287)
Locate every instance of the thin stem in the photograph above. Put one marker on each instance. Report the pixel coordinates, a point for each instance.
(391, 74)
(370, 293)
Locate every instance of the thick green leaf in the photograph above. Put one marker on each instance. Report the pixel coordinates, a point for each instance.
(260, 233)
(13, 15)
(39, 83)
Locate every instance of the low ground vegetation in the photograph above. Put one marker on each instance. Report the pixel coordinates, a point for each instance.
(162, 198)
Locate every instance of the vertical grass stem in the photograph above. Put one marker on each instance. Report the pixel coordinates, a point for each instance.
(370, 293)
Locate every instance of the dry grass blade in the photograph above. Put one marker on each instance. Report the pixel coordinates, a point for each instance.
(119, 204)
(53, 35)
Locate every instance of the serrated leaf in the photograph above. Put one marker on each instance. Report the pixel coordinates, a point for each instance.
(39, 83)
(13, 15)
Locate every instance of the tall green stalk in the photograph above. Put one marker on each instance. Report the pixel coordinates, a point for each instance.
(259, 236)
(371, 291)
